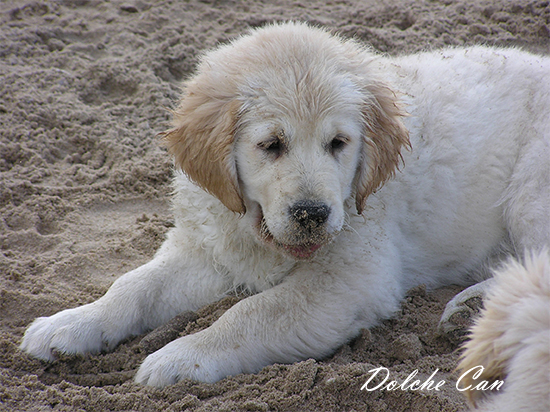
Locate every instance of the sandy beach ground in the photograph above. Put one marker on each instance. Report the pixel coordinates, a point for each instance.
(84, 191)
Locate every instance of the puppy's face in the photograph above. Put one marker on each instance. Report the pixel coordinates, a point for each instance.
(284, 125)
(297, 165)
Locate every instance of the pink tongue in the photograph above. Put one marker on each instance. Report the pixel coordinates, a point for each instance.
(302, 251)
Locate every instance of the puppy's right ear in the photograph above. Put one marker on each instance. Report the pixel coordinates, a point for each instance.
(202, 139)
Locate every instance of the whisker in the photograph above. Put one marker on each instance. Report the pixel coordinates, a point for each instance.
(348, 227)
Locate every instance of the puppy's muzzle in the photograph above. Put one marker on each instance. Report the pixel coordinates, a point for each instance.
(310, 215)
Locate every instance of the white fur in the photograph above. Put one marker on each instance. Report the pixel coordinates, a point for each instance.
(477, 179)
(511, 339)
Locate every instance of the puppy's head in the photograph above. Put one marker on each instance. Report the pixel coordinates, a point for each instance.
(284, 125)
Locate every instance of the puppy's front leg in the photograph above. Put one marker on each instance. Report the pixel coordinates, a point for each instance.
(308, 315)
(142, 299)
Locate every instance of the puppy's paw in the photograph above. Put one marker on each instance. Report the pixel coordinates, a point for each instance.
(186, 357)
(70, 331)
(461, 311)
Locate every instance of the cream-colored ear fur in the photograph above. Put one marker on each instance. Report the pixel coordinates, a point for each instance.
(202, 138)
(385, 135)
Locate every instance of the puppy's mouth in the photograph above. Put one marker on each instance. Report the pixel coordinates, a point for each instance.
(299, 251)
(302, 252)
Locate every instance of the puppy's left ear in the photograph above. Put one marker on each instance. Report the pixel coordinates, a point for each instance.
(384, 136)
(202, 139)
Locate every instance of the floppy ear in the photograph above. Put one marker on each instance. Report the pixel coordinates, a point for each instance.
(202, 139)
(384, 136)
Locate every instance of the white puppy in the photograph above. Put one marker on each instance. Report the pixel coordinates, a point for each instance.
(284, 136)
(511, 340)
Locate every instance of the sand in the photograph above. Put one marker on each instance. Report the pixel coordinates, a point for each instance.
(84, 192)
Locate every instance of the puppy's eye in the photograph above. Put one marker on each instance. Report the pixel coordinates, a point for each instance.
(337, 144)
(273, 146)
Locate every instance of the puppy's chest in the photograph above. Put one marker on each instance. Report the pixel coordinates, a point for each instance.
(249, 265)
(231, 247)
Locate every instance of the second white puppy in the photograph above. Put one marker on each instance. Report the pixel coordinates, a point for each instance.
(511, 340)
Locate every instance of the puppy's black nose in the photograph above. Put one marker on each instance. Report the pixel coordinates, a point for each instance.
(307, 212)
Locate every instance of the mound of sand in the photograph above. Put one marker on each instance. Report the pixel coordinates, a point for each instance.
(84, 189)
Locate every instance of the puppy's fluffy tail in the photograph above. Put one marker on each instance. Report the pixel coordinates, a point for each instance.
(511, 339)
